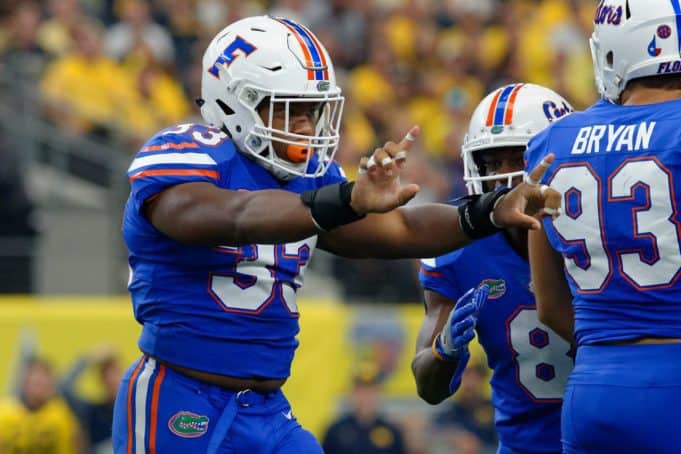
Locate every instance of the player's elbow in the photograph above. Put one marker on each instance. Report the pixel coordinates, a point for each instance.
(425, 387)
(427, 395)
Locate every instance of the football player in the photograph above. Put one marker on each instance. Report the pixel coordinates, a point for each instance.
(530, 363)
(221, 222)
(606, 273)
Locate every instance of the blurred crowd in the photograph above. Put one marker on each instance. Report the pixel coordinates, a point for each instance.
(127, 68)
(48, 414)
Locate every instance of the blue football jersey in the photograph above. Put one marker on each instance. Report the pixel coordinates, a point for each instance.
(228, 310)
(619, 234)
(530, 363)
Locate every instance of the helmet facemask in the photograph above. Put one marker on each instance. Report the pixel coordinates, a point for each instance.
(314, 152)
(475, 172)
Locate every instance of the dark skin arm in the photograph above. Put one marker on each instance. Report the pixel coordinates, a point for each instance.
(551, 289)
(432, 375)
(201, 213)
(432, 229)
(420, 231)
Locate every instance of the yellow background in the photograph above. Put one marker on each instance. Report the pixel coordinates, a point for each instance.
(64, 328)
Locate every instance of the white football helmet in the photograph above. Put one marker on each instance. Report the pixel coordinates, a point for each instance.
(633, 39)
(281, 62)
(508, 117)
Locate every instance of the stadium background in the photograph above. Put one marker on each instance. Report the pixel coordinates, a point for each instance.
(83, 83)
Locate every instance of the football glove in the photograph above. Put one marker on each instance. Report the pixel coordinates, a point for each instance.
(452, 342)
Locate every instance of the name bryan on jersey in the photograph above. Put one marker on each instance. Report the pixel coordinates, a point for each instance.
(607, 138)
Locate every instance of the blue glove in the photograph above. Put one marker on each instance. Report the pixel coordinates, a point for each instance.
(452, 342)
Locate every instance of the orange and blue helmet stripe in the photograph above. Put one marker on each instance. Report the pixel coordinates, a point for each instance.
(315, 60)
(501, 110)
(677, 12)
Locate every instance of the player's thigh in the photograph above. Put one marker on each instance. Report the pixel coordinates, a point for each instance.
(622, 419)
(298, 440)
(158, 409)
(265, 424)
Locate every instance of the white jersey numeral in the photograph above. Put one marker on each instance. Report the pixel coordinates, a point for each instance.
(257, 279)
(652, 223)
(542, 358)
(210, 137)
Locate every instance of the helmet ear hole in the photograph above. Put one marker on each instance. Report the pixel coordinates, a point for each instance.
(225, 108)
(610, 59)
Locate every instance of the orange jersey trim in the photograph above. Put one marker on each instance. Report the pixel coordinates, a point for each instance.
(176, 172)
(154, 408)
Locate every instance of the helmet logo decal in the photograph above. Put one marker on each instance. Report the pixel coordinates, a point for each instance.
(554, 112)
(501, 110)
(608, 14)
(229, 54)
(653, 50)
(323, 85)
(315, 60)
(664, 31)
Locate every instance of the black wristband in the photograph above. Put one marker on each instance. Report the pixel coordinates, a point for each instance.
(330, 205)
(474, 215)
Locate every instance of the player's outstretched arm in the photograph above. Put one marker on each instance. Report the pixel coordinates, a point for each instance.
(433, 229)
(551, 290)
(202, 213)
(442, 343)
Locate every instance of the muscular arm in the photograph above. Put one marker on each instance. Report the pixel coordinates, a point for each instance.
(201, 213)
(432, 375)
(551, 290)
(420, 231)
(434, 229)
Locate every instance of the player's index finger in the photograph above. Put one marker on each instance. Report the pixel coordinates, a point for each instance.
(410, 138)
(540, 169)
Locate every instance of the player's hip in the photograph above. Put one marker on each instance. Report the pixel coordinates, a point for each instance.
(261, 385)
(159, 409)
(637, 365)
